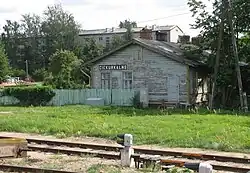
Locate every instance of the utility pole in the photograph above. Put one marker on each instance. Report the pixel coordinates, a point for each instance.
(27, 69)
(217, 61)
(235, 52)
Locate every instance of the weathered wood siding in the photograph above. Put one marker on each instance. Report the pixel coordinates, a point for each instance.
(150, 70)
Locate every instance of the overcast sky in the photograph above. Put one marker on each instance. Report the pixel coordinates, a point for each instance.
(93, 14)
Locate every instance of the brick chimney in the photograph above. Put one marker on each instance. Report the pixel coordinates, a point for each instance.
(146, 34)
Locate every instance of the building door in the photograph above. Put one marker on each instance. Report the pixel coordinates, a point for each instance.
(116, 80)
(173, 88)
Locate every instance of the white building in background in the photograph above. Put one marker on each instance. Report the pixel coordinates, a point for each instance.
(168, 33)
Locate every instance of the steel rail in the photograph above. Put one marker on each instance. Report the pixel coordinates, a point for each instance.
(192, 155)
(16, 168)
(140, 150)
(74, 151)
(75, 144)
(218, 167)
(106, 155)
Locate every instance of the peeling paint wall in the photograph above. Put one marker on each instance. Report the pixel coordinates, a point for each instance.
(150, 70)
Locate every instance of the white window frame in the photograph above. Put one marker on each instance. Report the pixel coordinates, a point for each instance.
(105, 79)
(124, 79)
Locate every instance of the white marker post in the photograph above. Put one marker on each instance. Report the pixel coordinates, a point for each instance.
(205, 168)
(127, 151)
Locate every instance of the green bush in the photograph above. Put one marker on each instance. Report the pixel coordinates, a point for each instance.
(30, 95)
(39, 74)
(18, 73)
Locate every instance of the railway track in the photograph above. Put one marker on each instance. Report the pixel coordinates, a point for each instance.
(112, 152)
(16, 168)
(140, 150)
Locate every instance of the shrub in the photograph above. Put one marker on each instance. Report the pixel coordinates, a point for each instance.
(136, 100)
(39, 74)
(30, 95)
(18, 73)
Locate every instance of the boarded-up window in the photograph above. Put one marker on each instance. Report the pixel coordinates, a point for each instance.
(115, 83)
(105, 80)
(138, 54)
(127, 80)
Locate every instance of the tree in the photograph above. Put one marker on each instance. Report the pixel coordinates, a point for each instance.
(33, 49)
(127, 23)
(35, 38)
(11, 38)
(90, 50)
(117, 41)
(4, 66)
(209, 25)
(59, 29)
(62, 64)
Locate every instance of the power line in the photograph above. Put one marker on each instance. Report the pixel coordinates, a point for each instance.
(163, 17)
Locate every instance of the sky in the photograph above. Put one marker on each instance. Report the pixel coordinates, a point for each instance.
(97, 14)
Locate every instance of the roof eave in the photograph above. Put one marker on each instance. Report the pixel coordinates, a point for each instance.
(177, 27)
(169, 55)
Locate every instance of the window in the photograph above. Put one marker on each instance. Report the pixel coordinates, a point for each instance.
(127, 80)
(140, 54)
(115, 83)
(137, 54)
(100, 38)
(105, 80)
(107, 41)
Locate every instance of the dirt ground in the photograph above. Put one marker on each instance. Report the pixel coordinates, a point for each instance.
(88, 164)
(69, 163)
(85, 164)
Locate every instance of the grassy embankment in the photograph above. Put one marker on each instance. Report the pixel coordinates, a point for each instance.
(202, 130)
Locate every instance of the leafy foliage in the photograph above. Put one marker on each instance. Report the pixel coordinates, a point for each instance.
(59, 29)
(115, 42)
(209, 23)
(35, 38)
(179, 170)
(39, 74)
(28, 96)
(127, 23)
(90, 50)
(62, 65)
(17, 72)
(4, 66)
